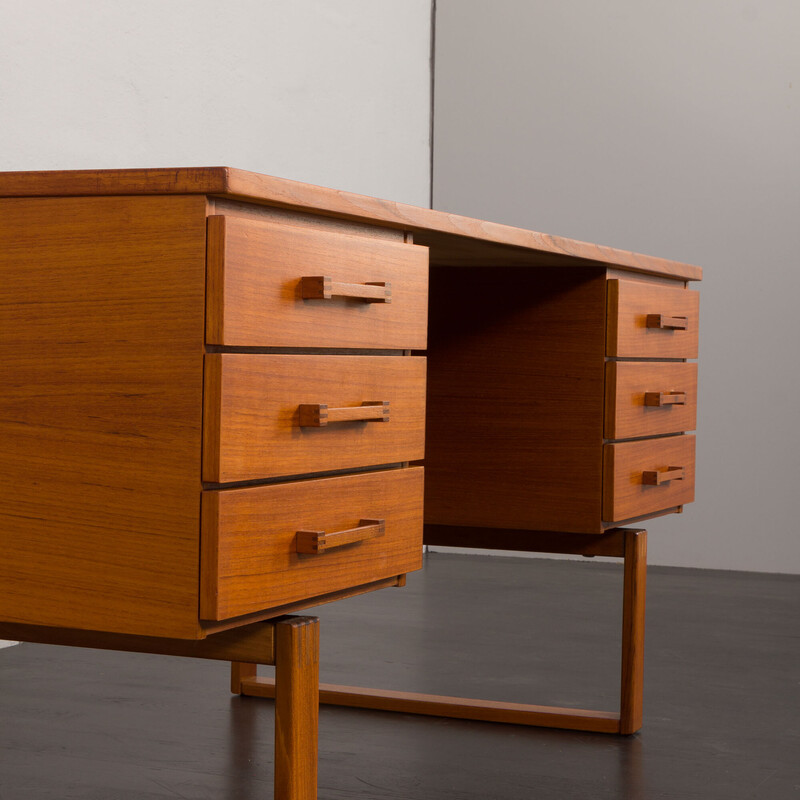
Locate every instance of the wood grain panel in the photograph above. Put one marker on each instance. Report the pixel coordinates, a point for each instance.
(628, 415)
(515, 399)
(304, 219)
(626, 496)
(450, 230)
(254, 287)
(101, 332)
(252, 643)
(629, 305)
(252, 418)
(215, 626)
(249, 558)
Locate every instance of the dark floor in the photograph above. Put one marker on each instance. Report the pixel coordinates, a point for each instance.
(722, 698)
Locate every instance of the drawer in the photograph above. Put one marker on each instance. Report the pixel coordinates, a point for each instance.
(357, 292)
(272, 415)
(647, 320)
(647, 476)
(648, 399)
(249, 553)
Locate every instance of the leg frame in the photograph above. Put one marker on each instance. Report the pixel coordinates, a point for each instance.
(628, 544)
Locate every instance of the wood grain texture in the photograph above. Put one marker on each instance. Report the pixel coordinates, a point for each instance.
(449, 230)
(101, 331)
(255, 287)
(627, 413)
(515, 399)
(323, 287)
(434, 705)
(296, 708)
(252, 414)
(633, 614)
(626, 496)
(319, 542)
(303, 219)
(629, 305)
(216, 626)
(253, 643)
(318, 415)
(249, 558)
(241, 671)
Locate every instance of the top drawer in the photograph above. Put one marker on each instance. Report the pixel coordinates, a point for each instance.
(647, 320)
(256, 295)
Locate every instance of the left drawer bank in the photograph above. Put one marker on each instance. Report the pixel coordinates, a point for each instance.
(102, 344)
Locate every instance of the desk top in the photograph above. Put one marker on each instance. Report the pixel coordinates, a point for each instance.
(452, 239)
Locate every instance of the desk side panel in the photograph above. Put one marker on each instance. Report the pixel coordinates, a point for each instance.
(101, 332)
(515, 398)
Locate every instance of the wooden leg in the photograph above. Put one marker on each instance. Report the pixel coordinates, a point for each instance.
(633, 603)
(296, 708)
(241, 672)
(628, 544)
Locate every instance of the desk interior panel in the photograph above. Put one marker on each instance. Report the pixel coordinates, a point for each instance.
(515, 398)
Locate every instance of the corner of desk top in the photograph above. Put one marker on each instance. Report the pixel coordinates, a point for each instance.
(87, 182)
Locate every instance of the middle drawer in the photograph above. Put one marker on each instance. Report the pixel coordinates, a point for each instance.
(646, 398)
(272, 415)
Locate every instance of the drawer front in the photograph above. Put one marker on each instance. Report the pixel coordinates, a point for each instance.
(647, 476)
(647, 320)
(257, 295)
(250, 559)
(272, 415)
(647, 399)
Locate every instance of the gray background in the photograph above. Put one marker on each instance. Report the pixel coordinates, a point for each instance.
(672, 129)
(335, 94)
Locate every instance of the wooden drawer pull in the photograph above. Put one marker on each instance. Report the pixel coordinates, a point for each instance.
(317, 415)
(665, 398)
(667, 323)
(655, 478)
(323, 287)
(315, 542)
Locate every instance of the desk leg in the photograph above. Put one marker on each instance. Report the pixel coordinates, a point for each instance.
(633, 605)
(628, 544)
(296, 708)
(296, 692)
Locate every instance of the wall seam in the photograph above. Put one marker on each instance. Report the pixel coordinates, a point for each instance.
(433, 89)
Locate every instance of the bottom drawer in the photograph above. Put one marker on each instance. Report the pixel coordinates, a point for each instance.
(249, 550)
(647, 476)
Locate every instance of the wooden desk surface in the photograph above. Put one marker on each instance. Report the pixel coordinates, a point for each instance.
(452, 239)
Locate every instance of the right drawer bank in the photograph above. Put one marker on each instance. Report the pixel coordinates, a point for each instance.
(651, 399)
(558, 399)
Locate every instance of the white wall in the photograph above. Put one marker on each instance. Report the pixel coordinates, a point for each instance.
(672, 129)
(333, 93)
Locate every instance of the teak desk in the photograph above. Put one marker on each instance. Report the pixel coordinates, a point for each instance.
(214, 413)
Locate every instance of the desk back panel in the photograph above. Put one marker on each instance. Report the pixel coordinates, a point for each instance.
(515, 398)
